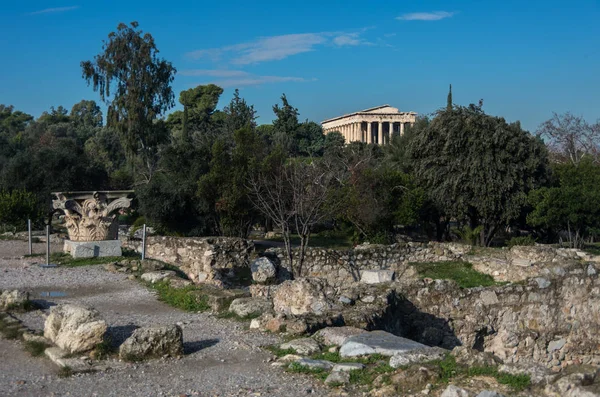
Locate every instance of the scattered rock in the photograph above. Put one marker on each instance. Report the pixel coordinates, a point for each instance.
(315, 364)
(13, 299)
(302, 296)
(244, 307)
(336, 336)
(556, 345)
(153, 342)
(488, 297)
(337, 378)
(473, 358)
(377, 342)
(417, 356)
(74, 328)
(179, 283)
(151, 265)
(154, 277)
(263, 270)
(304, 346)
(542, 282)
(348, 367)
(489, 393)
(455, 391)
(537, 372)
(376, 276)
(290, 358)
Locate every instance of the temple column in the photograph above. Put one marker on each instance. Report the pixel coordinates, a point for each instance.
(369, 133)
(354, 132)
(391, 132)
(380, 133)
(401, 129)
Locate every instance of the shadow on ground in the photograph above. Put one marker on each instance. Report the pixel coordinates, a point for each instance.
(193, 347)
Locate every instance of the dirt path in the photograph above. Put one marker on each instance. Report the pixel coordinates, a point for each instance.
(222, 358)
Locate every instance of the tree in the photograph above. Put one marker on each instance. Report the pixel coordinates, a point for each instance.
(449, 100)
(285, 126)
(86, 114)
(571, 205)
(570, 138)
(199, 104)
(295, 195)
(134, 82)
(239, 114)
(477, 167)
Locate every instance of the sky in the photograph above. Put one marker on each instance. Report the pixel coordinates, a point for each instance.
(525, 59)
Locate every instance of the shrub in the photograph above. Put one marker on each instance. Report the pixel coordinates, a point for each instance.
(521, 240)
(16, 207)
(137, 225)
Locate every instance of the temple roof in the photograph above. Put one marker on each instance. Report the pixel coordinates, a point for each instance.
(382, 109)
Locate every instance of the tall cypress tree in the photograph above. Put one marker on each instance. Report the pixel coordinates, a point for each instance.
(449, 103)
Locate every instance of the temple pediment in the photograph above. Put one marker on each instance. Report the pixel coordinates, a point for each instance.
(381, 109)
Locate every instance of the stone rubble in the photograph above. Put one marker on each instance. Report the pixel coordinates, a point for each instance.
(153, 342)
(74, 328)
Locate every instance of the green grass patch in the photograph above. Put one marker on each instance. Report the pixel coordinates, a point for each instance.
(461, 272)
(592, 249)
(189, 298)
(35, 348)
(278, 352)
(516, 382)
(319, 373)
(368, 375)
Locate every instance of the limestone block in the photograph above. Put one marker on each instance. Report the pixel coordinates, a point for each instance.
(92, 249)
(315, 364)
(154, 277)
(417, 356)
(376, 276)
(153, 342)
(304, 346)
(336, 336)
(263, 270)
(74, 328)
(455, 391)
(348, 367)
(12, 299)
(244, 307)
(337, 378)
(302, 296)
(377, 342)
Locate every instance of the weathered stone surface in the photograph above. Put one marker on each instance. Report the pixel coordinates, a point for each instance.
(489, 297)
(455, 391)
(27, 337)
(315, 364)
(376, 276)
(74, 328)
(153, 342)
(473, 358)
(220, 261)
(13, 299)
(304, 346)
(151, 265)
(537, 372)
(302, 296)
(179, 283)
(93, 249)
(417, 356)
(244, 307)
(289, 358)
(154, 277)
(336, 336)
(337, 378)
(263, 270)
(574, 385)
(377, 342)
(556, 345)
(348, 367)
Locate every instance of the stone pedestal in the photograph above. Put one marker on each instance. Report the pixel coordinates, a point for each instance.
(91, 249)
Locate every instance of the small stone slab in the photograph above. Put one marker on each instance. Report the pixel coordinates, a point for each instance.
(377, 342)
(336, 336)
(154, 277)
(417, 356)
(92, 249)
(304, 346)
(289, 358)
(337, 378)
(376, 276)
(455, 391)
(315, 364)
(490, 393)
(348, 367)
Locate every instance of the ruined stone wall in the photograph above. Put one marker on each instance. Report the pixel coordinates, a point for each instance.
(340, 267)
(215, 260)
(553, 320)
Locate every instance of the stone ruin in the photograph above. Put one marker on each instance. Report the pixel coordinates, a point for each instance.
(91, 221)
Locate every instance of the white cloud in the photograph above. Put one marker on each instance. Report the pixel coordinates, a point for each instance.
(426, 16)
(54, 10)
(275, 48)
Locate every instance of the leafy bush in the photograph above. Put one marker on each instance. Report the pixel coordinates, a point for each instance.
(16, 207)
(521, 240)
(137, 225)
(468, 235)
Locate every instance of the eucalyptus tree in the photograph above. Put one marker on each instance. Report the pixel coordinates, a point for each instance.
(135, 83)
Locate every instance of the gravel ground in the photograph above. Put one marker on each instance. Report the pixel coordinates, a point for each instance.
(222, 357)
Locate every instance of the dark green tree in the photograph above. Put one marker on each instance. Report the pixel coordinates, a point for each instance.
(571, 205)
(477, 167)
(134, 82)
(86, 114)
(239, 114)
(285, 126)
(449, 100)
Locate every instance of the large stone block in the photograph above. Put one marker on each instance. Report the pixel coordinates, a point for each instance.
(377, 342)
(74, 328)
(92, 249)
(153, 342)
(376, 276)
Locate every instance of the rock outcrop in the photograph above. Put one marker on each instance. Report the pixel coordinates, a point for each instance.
(303, 296)
(13, 299)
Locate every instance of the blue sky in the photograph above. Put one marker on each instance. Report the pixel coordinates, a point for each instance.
(526, 59)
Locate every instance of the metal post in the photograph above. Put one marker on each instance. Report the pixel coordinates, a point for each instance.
(29, 233)
(47, 244)
(144, 242)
